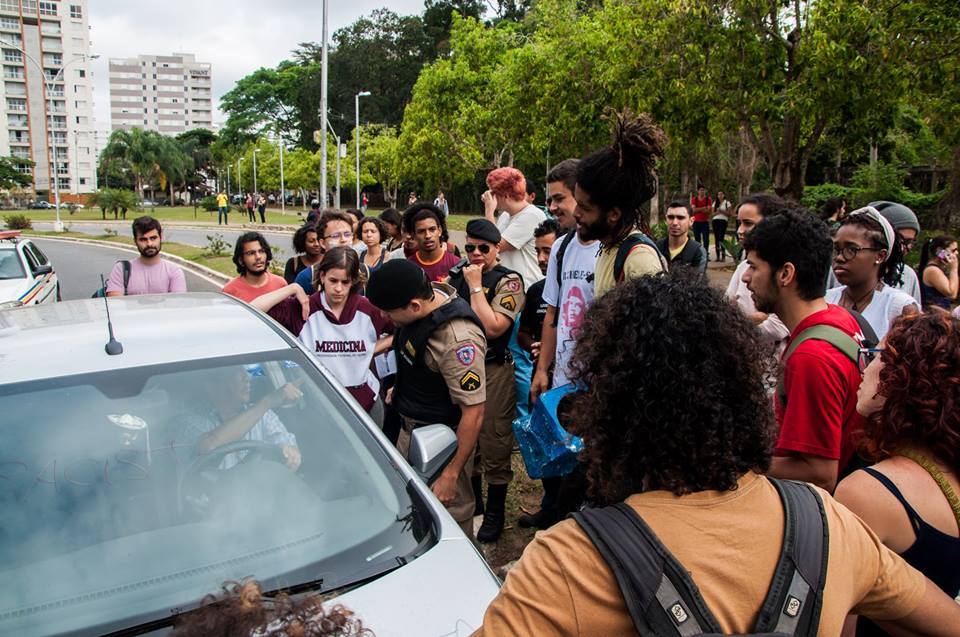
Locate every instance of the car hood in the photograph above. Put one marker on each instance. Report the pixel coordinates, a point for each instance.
(442, 593)
(13, 289)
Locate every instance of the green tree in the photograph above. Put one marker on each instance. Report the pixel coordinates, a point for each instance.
(10, 176)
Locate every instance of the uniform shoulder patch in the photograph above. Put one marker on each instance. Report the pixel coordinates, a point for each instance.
(466, 355)
(508, 303)
(512, 285)
(410, 349)
(470, 381)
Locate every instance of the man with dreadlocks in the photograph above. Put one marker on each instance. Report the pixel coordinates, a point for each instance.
(612, 184)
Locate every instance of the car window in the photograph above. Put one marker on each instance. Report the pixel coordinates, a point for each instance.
(31, 259)
(127, 495)
(40, 257)
(10, 265)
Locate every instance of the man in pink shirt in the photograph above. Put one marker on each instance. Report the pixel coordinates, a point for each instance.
(252, 256)
(149, 274)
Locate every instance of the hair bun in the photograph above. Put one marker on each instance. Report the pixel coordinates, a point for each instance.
(637, 140)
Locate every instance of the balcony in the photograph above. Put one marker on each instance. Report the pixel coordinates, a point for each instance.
(12, 73)
(17, 121)
(15, 89)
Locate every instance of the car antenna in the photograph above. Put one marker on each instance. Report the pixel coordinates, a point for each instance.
(113, 346)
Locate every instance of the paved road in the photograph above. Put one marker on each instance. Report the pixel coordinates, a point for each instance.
(79, 267)
(187, 236)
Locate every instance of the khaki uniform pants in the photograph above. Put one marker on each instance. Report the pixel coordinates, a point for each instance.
(496, 435)
(461, 509)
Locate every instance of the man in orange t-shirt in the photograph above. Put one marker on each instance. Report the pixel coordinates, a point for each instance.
(252, 256)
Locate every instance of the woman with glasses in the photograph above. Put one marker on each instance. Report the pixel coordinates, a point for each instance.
(338, 324)
(910, 395)
(938, 268)
(865, 249)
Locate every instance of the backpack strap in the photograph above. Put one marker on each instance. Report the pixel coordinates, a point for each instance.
(843, 342)
(126, 275)
(560, 252)
(627, 247)
(795, 598)
(659, 593)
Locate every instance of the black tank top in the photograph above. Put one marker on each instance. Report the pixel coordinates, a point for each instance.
(933, 553)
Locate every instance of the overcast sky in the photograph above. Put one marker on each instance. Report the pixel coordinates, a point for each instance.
(236, 37)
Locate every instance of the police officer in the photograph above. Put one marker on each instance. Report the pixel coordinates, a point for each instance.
(496, 295)
(440, 349)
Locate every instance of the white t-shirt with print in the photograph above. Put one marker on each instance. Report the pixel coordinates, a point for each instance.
(571, 298)
(517, 230)
(886, 305)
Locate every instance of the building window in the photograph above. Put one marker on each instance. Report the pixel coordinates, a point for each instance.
(31, 5)
(10, 5)
(81, 73)
(83, 181)
(47, 8)
(76, 11)
(12, 56)
(9, 23)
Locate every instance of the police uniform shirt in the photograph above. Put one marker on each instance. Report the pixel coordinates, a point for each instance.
(509, 296)
(457, 350)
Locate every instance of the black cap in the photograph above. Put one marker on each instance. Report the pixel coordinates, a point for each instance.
(483, 229)
(395, 284)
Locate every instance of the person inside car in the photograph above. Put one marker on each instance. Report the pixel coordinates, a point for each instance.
(230, 416)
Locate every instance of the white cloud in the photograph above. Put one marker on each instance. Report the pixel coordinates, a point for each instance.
(236, 38)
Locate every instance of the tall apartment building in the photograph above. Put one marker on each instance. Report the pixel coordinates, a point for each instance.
(169, 94)
(48, 93)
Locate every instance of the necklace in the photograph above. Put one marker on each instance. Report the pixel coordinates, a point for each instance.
(855, 304)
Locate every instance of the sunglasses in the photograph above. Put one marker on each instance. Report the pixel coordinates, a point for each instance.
(865, 356)
(484, 248)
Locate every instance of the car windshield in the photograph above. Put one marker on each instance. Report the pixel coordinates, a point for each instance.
(129, 495)
(10, 265)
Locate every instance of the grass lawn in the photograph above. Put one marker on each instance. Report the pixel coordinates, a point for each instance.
(186, 214)
(223, 264)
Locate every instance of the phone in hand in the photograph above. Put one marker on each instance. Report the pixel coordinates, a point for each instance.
(943, 255)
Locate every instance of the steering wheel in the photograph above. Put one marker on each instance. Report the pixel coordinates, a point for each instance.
(199, 468)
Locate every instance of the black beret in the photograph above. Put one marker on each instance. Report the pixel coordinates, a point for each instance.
(483, 229)
(395, 284)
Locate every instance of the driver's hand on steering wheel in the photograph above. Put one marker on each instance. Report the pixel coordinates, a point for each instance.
(286, 396)
(291, 455)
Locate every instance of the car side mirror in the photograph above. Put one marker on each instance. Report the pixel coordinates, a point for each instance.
(431, 449)
(43, 269)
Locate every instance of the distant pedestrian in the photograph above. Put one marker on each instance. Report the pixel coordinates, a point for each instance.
(252, 256)
(833, 211)
(314, 215)
(393, 222)
(364, 203)
(441, 203)
(721, 217)
(702, 206)
(262, 208)
(223, 206)
(250, 205)
(412, 198)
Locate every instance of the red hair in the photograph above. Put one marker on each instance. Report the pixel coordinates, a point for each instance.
(920, 381)
(507, 183)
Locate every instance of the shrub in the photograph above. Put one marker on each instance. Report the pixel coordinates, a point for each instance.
(815, 196)
(209, 203)
(18, 222)
(217, 247)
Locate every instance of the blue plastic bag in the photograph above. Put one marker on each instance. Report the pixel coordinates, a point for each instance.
(548, 450)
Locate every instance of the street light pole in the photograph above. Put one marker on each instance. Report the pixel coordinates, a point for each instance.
(323, 108)
(51, 148)
(255, 151)
(336, 203)
(283, 188)
(240, 176)
(357, 113)
(228, 181)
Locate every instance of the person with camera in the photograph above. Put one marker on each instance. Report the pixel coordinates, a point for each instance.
(496, 295)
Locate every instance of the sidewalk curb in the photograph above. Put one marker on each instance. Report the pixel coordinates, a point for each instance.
(211, 275)
(189, 226)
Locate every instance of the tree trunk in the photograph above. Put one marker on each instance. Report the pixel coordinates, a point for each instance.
(655, 205)
(943, 213)
(684, 178)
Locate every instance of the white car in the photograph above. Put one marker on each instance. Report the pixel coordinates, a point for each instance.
(26, 275)
(129, 490)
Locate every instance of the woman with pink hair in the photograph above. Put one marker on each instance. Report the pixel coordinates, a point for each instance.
(507, 195)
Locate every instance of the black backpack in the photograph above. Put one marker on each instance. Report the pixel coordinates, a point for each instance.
(126, 279)
(664, 601)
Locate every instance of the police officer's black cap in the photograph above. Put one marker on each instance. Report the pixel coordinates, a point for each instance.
(395, 284)
(483, 229)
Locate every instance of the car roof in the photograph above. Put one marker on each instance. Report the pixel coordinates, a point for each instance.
(67, 338)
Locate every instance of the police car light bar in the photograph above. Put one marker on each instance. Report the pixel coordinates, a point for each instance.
(9, 234)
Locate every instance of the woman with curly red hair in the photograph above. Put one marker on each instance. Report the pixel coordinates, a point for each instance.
(911, 397)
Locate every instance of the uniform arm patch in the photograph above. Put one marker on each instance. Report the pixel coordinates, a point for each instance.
(470, 381)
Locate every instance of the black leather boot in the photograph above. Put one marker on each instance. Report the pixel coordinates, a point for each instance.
(495, 514)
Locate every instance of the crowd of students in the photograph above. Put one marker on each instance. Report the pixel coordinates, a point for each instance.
(819, 364)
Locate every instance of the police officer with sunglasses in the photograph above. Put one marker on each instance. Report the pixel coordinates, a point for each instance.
(496, 295)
